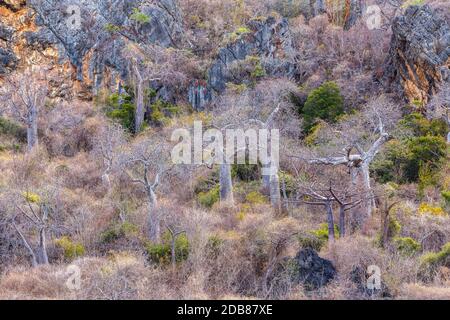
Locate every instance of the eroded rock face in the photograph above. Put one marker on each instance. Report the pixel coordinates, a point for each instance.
(8, 60)
(419, 58)
(268, 41)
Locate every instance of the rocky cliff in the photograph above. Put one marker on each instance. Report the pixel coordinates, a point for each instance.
(419, 59)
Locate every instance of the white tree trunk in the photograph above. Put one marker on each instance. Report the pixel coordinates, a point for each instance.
(331, 235)
(43, 246)
(368, 189)
(32, 128)
(275, 193)
(153, 217)
(226, 184)
(140, 111)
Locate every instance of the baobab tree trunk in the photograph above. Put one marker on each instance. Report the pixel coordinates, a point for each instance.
(32, 128)
(275, 193)
(153, 217)
(331, 235)
(43, 246)
(342, 221)
(226, 184)
(140, 108)
(368, 189)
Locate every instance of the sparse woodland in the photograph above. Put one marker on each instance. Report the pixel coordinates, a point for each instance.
(87, 118)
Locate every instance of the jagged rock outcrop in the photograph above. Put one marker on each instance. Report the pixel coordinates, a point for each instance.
(13, 5)
(8, 60)
(313, 271)
(268, 41)
(419, 59)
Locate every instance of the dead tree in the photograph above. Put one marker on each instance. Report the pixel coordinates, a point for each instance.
(22, 97)
(146, 166)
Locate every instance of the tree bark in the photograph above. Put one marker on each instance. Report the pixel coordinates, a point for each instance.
(226, 184)
(140, 108)
(342, 221)
(32, 128)
(275, 193)
(43, 246)
(153, 217)
(331, 235)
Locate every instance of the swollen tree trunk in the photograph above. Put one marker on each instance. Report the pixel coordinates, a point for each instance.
(342, 218)
(32, 128)
(275, 193)
(368, 189)
(153, 217)
(140, 108)
(43, 246)
(226, 184)
(331, 235)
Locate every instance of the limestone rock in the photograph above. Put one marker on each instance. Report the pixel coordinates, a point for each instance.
(419, 58)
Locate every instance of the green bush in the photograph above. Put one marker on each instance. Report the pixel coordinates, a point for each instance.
(317, 239)
(416, 158)
(162, 253)
(311, 241)
(407, 246)
(209, 198)
(161, 112)
(246, 172)
(122, 109)
(71, 249)
(13, 129)
(439, 258)
(118, 231)
(139, 16)
(325, 102)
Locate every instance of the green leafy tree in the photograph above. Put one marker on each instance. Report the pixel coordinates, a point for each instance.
(325, 102)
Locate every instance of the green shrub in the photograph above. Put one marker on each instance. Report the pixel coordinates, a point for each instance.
(446, 196)
(139, 16)
(162, 253)
(13, 129)
(71, 249)
(255, 198)
(246, 172)
(325, 102)
(209, 198)
(407, 246)
(311, 241)
(416, 158)
(317, 239)
(122, 109)
(161, 112)
(118, 231)
(439, 258)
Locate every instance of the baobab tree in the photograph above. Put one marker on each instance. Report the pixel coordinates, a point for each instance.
(257, 109)
(146, 165)
(22, 97)
(108, 143)
(363, 137)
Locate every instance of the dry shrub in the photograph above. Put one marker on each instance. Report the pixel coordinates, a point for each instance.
(416, 291)
(361, 252)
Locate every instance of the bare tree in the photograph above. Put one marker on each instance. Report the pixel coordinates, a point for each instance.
(107, 145)
(22, 97)
(146, 165)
